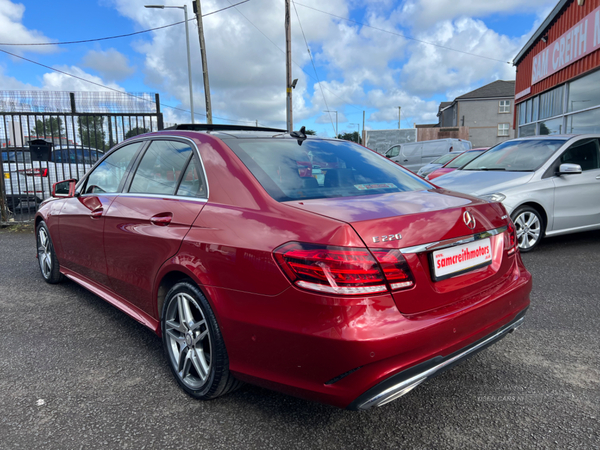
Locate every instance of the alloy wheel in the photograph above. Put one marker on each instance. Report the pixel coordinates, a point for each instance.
(188, 340)
(529, 229)
(44, 252)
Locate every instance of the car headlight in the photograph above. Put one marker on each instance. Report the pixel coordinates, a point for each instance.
(497, 197)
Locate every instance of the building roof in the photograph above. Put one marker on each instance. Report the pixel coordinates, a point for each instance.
(498, 88)
(541, 30)
(444, 105)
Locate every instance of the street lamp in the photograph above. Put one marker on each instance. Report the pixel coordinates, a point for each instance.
(187, 41)
(336, 122)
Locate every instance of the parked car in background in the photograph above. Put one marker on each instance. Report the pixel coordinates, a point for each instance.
(13, 163)
(415, 155)
(29, 182)
(550, 185)
(457, 163)
(315, 267)
(437, 163)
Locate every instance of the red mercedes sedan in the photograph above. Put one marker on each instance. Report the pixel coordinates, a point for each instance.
(311, 266)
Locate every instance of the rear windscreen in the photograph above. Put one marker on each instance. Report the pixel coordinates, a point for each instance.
(321, 169)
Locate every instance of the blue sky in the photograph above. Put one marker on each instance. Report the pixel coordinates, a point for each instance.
(359, 67)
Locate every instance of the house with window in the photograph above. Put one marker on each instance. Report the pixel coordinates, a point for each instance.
(486, 111)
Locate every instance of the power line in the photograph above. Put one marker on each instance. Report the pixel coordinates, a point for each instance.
(113, 89)
(404, 36)
(120, 35)
(314, 67)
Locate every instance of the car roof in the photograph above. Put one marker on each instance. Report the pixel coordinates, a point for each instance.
(546, 137)
(233, 134)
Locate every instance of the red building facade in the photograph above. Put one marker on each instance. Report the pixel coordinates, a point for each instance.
(558, 73)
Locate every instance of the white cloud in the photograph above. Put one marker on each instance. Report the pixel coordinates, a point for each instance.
(363, 66)
(431, 69)
(12, 84)
(111, 64)
(387, 103)
(56, 81)
(247, 72)
(13, 31)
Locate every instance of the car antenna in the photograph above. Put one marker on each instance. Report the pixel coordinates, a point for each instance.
(300, 135)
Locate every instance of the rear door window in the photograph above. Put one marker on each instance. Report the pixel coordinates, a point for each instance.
(321, 169)
(161, 168)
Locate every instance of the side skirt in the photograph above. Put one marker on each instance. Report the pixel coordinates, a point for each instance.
(115, 300)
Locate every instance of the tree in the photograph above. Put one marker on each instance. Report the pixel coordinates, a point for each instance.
(51, 127)
(135, 131)
(354, 137)
(91, 129)
(310, 132)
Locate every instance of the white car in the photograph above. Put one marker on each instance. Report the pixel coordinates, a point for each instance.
(29, 182)
(550, 185)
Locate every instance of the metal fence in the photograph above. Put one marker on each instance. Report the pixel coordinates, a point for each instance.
(78, 139)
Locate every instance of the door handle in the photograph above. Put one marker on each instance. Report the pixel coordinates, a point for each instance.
(598, 177)
(97, 213)
(162, 220)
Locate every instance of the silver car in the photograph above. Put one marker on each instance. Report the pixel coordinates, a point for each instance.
(550, 185)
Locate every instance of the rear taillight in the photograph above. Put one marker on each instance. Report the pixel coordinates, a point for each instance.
(512, 237)
(343, 270)
(395, 268)
(35, 172)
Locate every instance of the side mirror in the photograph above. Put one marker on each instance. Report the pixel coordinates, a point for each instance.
(569, 169)
(64, 189)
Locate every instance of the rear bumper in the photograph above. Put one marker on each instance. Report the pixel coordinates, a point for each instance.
(335, 350)
(402, 383)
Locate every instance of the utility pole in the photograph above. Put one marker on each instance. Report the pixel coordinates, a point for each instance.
(363, 133)
(399, 116)
(288, 67)
(198, 11)
(189, 60)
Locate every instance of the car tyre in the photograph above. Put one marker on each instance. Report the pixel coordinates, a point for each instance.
(47, 259)
(529, 226)
(193, 344)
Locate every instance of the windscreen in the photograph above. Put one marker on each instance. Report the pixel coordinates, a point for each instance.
(463, 159)
(517, 156)
(446, 158)
(321, 169)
